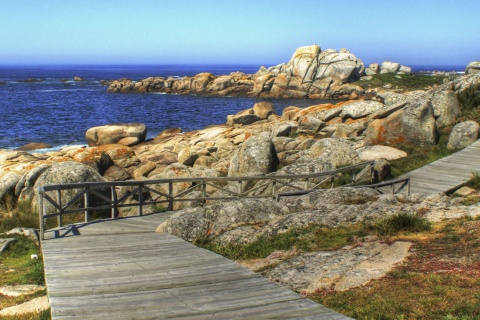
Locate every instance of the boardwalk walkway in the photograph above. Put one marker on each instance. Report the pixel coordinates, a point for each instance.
(122, 269)
(447, 173)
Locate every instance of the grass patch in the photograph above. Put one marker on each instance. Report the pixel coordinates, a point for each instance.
(419, 156)
(317, 238)
(405, 82)
(400, 222)
(312, 238)
(17, 215)
(474, 182)
(440, 280)
(16, 268)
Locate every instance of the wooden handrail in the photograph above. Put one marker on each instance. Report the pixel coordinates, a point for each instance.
(87, 189)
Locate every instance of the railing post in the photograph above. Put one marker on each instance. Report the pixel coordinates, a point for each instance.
(307, 180)
(274, 188)
(170, 195)
(140, 200)
(41, 211)
(204, 193)
(60, 215)
(86, 201)
(408, 187)
(333, 181)
(393, 188)
(239, 190)
(113, 195)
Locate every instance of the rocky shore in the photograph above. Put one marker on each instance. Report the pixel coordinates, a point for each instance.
(258, 141)
(316, 138)
(310, 73)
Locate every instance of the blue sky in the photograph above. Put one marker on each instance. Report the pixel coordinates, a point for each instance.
(420, 32)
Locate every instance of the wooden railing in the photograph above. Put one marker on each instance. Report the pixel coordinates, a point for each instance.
(95, 196)
(392, 186)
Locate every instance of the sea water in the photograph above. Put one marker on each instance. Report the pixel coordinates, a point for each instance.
(56, 110)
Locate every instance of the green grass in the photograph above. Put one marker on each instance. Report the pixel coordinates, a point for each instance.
(400, 222)
(419, 156)
(318, 238)
(474, 182)
(16, 268)
(16, 265)
(405, 82)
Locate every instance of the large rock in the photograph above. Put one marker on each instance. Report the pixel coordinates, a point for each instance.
(96, 158)
(62, 173)
(308, 124)
(333, 151)
(24, 188)
(34, 146)
(310, 71)
(389, 67)
(415, 123)
(372, 69)
(369, 153)
(360, 109)
(263, 109)
(113, 133)
(342, 269)
(212, 221)
(257, 156)
(463, 135)
(446, 108)
(7, 187)
(467, 90)
(473, 67)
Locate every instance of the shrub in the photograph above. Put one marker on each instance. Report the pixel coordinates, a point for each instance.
(401, 222)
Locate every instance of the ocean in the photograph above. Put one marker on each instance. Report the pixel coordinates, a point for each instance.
(56, 110)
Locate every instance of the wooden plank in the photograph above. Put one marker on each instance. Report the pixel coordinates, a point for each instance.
(144, 275)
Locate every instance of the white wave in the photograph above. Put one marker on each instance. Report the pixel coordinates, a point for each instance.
(58, 148)
(159, 93)
(76, 89)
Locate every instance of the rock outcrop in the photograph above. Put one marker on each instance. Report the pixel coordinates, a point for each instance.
(473, 67)
(257, 156)
(113, 133)
(243, 221)
(463, 134)
(65, 172)
(311, 72)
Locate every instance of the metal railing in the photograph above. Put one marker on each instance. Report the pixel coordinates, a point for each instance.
(59, 200)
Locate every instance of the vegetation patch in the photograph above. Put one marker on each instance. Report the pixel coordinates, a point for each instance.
(318, 238)
(404, 81)
(440, 280)
(17, 268)
(419, 156)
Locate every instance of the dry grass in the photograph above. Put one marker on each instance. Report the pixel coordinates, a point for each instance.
(440, 280)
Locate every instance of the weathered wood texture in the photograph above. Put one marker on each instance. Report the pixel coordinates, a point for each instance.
(122, 269)
(447, 173)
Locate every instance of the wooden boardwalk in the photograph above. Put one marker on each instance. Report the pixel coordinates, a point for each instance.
(122, 269)
(447, 173)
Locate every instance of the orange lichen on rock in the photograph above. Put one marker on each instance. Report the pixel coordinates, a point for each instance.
(316, 108)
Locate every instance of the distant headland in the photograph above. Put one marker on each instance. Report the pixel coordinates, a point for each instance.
(311, 73)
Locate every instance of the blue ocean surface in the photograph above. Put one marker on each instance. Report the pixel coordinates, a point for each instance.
(58, 111)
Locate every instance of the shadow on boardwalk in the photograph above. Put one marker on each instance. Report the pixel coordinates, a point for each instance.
(122, 269)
